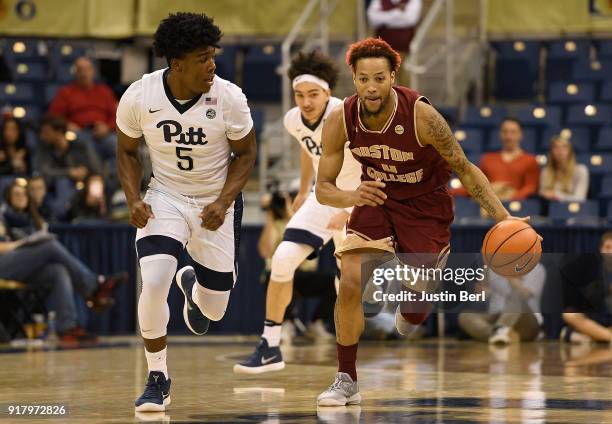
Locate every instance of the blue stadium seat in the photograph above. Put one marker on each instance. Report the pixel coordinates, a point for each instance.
(527, 207)
(563, 211)
(564, 93)
(562, 55)
(516, 69)
(226, 63)
(605, 49)
(29, 113)
(258, 120)
(591, 115)
(528, 143)
(474, 157)
(592, 70)
(598, 163)
(466, 210)
(5, 181)
(540, 116)
(260, 65)
(606, 187)
(30, 72)
(604, 140)
(578, 136)
(65, 51)
(609, 215)
(17, 93)
(606, 92)
(18, 49)
(50, 92)
(449, 113)
(64, 73)
(471, 140)
(484, 117)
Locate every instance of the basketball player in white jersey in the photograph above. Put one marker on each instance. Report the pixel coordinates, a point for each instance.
(313, 75)
(199, 132)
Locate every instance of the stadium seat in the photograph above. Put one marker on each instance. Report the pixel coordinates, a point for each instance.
(606, 92)
(25, 49)
(29, 113)
(561, 56)
(604, 140)
(226, 63)
(466, 211)
(605, 49)
(563, 93)
(64, 73)
(609, 215)
(30, 72)
(260, 64)
(540, 116)
(563, 211)
(516, 69)
(528, 143)
(65, 52)
(594, 71)
(589, 114)
(474, 157)
(483, 117)
(578, 136)
(598, 163)
(606, 187)
(471, 140)
(17, 93)
(527, 207)
(449, 113)
(50, 92)
(258, 120)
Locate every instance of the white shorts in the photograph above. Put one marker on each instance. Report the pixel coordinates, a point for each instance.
(176, 217)
(309, 225)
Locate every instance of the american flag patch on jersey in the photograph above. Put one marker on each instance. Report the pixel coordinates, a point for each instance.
(211, 101)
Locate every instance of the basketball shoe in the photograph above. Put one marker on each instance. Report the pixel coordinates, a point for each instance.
(343, 391)
(156, 394)
(194, 318)
(264, 359)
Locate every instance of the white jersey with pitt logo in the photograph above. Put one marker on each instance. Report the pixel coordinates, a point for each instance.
(309, 137)
(187, 140)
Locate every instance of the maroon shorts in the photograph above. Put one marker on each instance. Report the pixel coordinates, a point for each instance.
(418, 225)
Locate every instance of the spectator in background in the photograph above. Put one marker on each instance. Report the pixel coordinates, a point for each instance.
(37, 189)
(88, 105)
(19, 213)
(14, 155)
(514, 305)
(89, 203)
(395, 21)
(563, 179)
(587, 286)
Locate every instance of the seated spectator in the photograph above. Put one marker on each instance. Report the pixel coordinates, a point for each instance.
(588, 296)
(43, 262)
(19, 213)
(563, 179)
(514, 305)
(14, 155)
(513, 173)
(59, 158)
(88, 105)
(37, 189)
(90, 202)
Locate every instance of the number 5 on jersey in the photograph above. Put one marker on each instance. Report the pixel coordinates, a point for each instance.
(185, 162)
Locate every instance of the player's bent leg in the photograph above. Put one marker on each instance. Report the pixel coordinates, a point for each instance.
(267, 356)
(158, 259)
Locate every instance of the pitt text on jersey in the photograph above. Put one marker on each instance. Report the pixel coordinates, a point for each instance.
(193, 137)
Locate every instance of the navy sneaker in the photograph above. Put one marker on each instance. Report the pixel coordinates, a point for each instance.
(264, 359)
(194, 319)
(156, 394)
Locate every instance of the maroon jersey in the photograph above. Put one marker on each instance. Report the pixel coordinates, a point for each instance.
(394, 154)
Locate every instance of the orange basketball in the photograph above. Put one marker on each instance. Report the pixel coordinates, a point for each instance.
(511, 248)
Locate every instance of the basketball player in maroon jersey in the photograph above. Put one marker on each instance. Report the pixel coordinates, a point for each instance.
(407, 151)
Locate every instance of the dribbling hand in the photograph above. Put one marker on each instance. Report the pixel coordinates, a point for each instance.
(369, 193)
(140, 212)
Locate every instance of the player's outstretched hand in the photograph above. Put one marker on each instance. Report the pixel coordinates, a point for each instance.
(524, 219)
(140, 212)
(213, 215)
(369, 193)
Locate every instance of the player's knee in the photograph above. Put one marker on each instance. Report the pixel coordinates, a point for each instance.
(212, 303)
(286, 259)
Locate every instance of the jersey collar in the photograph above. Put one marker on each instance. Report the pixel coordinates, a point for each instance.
(181, 108)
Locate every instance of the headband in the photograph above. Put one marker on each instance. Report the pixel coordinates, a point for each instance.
(310, 78)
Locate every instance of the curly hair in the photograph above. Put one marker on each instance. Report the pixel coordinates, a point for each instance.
(314, 63)
(372, 47)
(184, 32)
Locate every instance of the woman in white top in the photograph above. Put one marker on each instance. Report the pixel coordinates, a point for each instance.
(563, 179)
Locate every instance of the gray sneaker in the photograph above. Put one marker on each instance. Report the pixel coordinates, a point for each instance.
(344, 391)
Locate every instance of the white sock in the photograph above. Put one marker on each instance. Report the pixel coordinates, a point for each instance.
(156, 361)
(272, 333)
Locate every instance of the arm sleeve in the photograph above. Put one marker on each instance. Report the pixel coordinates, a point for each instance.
(532, 177)
(236, 113)
(581, 185)
(129, 111)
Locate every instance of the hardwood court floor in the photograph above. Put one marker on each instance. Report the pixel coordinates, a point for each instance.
(401, 382)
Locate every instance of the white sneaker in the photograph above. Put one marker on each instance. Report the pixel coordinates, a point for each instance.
(287, 332)
(501, 335)
(344, 391)
(318, 332)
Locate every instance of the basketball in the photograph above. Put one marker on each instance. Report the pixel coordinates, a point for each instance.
(511, 248)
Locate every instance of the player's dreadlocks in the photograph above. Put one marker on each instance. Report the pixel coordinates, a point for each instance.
(372, 47)
(184, 32)
(314, 63)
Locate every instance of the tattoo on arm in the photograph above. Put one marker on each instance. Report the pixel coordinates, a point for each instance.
(479, 195)
(444, 141)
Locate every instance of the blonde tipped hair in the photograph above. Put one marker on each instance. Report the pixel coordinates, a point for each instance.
(553, 172)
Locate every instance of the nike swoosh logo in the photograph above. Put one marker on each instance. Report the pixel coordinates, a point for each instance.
(520, 268)
(153, 111)
(189, 307)
(264, 361)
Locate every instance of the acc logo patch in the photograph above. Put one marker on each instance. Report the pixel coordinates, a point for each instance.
(211, 114)
(399, 129)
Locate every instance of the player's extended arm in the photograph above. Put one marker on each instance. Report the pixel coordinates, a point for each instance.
(432, 129)
(130, 174)
(245, 151)
(306, 173)
(327, 192)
